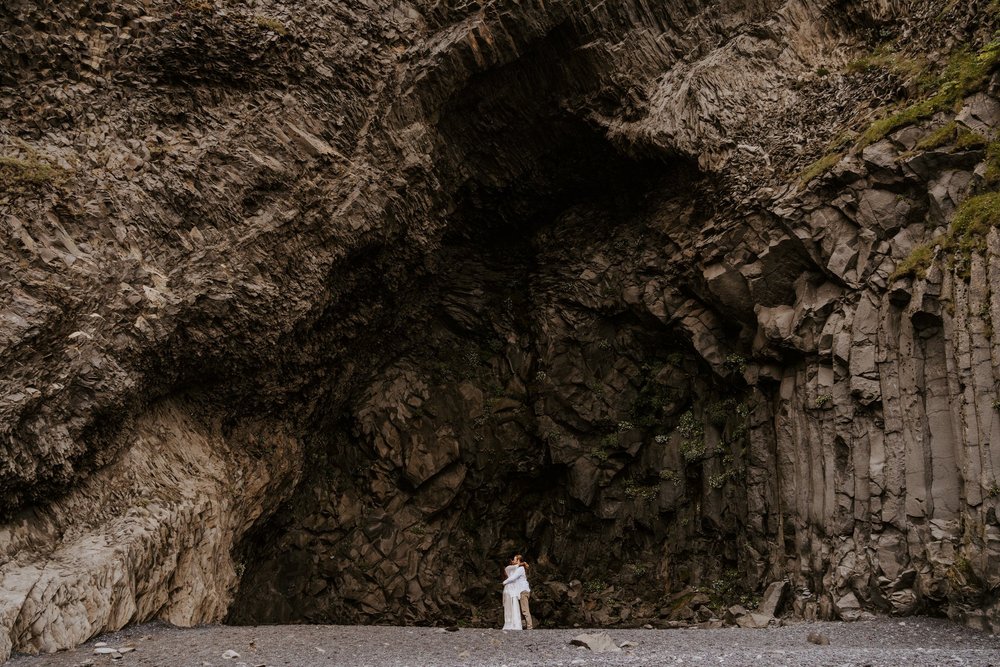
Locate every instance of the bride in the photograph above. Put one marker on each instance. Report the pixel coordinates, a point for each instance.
(512, 587)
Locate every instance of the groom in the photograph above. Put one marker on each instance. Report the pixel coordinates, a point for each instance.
(525, 597)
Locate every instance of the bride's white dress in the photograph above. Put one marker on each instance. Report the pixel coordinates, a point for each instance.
(511, 605)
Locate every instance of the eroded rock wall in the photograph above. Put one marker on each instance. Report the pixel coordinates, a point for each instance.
(151, 535)
(894, 403)
(511, 277)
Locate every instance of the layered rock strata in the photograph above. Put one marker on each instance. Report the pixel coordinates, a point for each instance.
(493, 277)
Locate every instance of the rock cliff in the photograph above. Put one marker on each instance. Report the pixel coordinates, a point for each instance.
(318, 311)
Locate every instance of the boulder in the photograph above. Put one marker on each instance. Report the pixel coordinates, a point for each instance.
(818, 638)
(774, 598)
(734, 612)
(847, 607)
(904, 602)
(981, 113)
(598, 642)
(754, 620)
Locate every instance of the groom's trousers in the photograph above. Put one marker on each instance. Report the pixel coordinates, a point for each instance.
(525, 610)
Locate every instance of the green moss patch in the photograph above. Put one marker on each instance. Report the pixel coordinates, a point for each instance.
(952, 134)
(18, 175)
(692, 437)
(966, 236)
(884, 58)
(915, 265)
(272, 24)
(972, 222)
(992, 174)
(819, 167)
(965, 74)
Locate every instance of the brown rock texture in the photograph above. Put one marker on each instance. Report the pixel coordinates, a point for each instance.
(318, 312)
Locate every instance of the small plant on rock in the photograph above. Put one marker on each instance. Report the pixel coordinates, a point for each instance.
(18, 175)
(729, 589)
(272, 24)
(599, 454)
(824, 400)
(638, 491)
(729, 471)
(735, 363)
(638, 569)
(718, 480)
(719, 412)
(693, 437)
(610, 442)
(668, 475)
(916, 263)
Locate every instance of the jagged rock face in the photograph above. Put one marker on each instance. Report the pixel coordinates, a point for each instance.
(318, 313)
(148, 536)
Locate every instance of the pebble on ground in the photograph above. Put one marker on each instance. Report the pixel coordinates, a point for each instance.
(884, 642)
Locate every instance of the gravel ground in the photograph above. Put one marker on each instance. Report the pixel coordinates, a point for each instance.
(913, 642)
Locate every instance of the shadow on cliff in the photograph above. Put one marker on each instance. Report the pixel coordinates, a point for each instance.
(527, 404)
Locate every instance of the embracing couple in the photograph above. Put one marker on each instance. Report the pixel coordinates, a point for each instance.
(516, 594)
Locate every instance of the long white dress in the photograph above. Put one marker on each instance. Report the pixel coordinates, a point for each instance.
(511, 598)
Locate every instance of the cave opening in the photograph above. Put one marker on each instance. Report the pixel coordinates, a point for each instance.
(526, 400)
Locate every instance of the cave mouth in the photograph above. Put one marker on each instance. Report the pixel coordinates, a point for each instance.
(526, 401)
